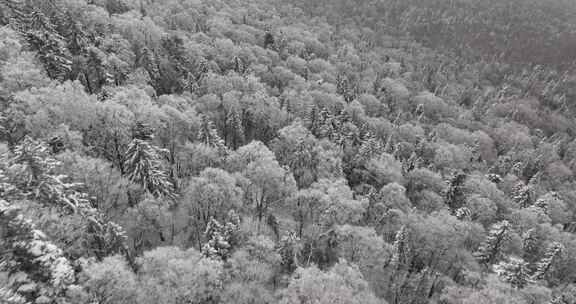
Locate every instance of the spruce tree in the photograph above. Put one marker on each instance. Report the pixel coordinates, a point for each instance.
(400, 251)
(143, 167)
(544, 265)
(37, 180)
(455, 197)
(221, 239)
(40, 33)
(523, 195)
(289, 248)
(42, 272)
(529, 241)
(234, 134)
(546, 200)
(95, 75)
(369, 148)
(490, 249)
(514, 271)
(209, 135)
(322, 123)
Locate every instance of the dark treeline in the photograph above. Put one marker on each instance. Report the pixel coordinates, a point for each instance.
(518, 32)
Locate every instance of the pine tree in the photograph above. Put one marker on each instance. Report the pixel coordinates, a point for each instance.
(544, 201)
(517, 169)
(178, 61)
(143, 167)
(523, 195)
(36, 180)
(514, 271)
(345, 87)
(147, 59)
(400, 251)
(43, 271)
(529, 241)
(74, 33)
(544, 265)
(455, 197)
(490, 248)
(95, 75)
(234, 134)
(289, 248)
(321, 123)
(268, 40)
(221, 239)
(209, 135)
(142, 131)
(41, 35)
(542, 204)
(369, 148)
(302, 163)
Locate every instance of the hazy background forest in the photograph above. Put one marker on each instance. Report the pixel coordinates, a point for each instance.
(287, 151)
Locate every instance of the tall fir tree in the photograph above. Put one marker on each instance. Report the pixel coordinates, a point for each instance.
(529, 241)
(514, 271)
(221, 239)
(455, 198)
(370, 147)
(37, 270)
(234, 130)
(40, 33)
(37, 180)
(523, 195)
(289, 247)
(143, 166)
(489, 250)
(544, 265)
(207, 134)
(400, 249)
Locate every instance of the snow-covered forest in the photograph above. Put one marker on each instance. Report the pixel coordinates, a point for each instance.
(287, 151)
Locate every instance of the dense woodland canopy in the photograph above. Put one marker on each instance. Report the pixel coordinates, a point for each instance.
(268, 151)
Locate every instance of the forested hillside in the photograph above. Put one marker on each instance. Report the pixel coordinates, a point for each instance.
(290, 152)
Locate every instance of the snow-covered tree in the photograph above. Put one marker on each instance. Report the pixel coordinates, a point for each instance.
(29, 173)
(38, 269)
(143, 166)
(297, 148)
(234, 130)
(544, 265)
(40, 32)
(322, 123)
(514, 271)
(490, 249)
(370, 147)
(208, 135)
(523, 195)
(289, 247)
(221, 239)
(401, 247)
(455, 197)
(529, 241)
